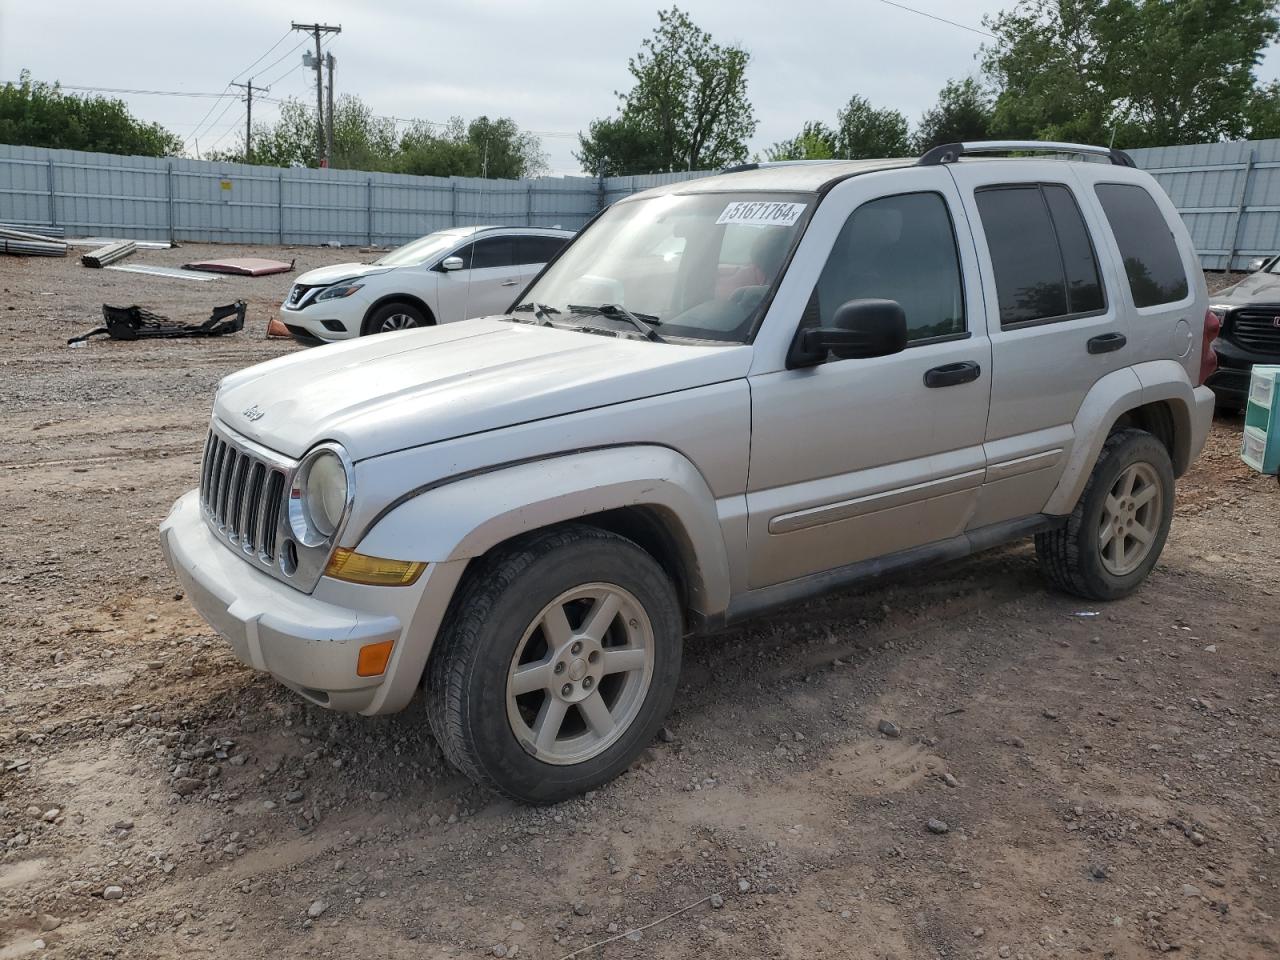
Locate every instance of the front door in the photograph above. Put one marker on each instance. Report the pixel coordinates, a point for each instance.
(854, 459)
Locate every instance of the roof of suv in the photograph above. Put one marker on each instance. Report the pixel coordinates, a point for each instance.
(803, 177)
(807, 176)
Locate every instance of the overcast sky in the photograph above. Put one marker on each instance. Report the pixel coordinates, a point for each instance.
(552, 65)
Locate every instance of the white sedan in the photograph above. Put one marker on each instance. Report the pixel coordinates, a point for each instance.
(448, 275)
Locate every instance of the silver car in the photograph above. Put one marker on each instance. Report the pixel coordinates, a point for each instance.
(725, 395)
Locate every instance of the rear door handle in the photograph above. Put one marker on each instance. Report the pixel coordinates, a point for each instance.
(509, 283)
(1107, 342)
(951, 374)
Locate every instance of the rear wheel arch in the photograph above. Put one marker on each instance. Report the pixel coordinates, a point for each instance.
(1169, 421)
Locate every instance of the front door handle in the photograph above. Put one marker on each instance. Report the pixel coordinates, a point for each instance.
(951, 374)
(509, 283)
(1107, 342)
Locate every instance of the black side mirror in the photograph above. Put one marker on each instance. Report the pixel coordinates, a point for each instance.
(859, 329)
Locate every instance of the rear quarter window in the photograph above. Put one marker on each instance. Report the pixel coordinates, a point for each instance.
(1147, 247)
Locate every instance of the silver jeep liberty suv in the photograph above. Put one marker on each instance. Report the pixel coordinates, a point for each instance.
(724, 395)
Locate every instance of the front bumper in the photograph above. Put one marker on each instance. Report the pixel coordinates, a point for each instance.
(1235, 367)
(308, 325)
(309, 642)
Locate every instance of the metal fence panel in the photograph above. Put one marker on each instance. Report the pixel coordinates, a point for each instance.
(1228, 194)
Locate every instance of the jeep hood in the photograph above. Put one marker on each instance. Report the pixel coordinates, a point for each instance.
(325, 276)
(380, 394)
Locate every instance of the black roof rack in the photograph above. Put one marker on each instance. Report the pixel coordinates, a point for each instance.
(951, 152)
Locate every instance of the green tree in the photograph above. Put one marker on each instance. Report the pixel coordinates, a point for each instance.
(365, 141)
(619, 147)
(483, 148)
(865, 132)
(688, 109)
(1262, 116)
(38, 114)
(816, 141)
(1146, 72)
(504, 150)
(963, 112)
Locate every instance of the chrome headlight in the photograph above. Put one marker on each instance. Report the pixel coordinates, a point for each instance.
(338, 291)
(321, 495)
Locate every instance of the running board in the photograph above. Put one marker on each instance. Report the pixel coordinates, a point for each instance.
(756, 602)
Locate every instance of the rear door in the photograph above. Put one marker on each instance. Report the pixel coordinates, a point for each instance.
(1055, 325)
(533, 252)
(490, 278)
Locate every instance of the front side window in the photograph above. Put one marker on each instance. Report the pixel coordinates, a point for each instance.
(1041, 253)
(1150, 254)
(699, 266)
(899, 248)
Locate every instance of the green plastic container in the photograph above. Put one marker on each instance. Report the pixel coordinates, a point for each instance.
(1261, 446)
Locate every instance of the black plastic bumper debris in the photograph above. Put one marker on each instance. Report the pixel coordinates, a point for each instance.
(138, 323)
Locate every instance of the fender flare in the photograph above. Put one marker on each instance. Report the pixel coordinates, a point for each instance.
(464, 518)
(1107, 401)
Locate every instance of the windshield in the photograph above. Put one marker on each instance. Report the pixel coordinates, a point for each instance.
(697, 266)
(419, 251)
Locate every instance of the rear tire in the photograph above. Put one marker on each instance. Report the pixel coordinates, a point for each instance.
(558, 664)
(1115, 534)
(393, 316)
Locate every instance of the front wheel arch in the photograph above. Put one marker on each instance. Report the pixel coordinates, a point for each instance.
(406, 298)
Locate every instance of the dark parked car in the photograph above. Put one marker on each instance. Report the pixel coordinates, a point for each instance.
(1250, 317)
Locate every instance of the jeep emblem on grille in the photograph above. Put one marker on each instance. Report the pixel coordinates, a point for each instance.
(253, 413)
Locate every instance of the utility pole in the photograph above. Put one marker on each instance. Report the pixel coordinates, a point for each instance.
(329, 62)
(315, 29)
(248, 116)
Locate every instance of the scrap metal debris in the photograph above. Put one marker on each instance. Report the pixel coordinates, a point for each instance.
(102, 241)
(138, 323)
(172, 272)
(53, 233)
(112, 252)
(25, 243)
(242, 266)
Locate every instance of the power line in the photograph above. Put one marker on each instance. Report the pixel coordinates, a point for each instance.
(282, 39)
(230, 104)
(156, 93)
(290, 52)
(931, 16)
(227, 89)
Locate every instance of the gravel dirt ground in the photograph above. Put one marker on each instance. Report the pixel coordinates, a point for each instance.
(1058, 779)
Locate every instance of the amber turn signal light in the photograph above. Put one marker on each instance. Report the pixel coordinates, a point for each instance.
(373, 658)
(372, 571)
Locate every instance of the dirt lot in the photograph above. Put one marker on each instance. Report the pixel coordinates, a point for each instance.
(1108, 776)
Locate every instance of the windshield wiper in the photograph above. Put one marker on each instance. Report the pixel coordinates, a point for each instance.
(540, 310)
(616, 311)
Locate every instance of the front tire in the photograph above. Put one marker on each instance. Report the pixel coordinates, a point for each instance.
(391, 317)
(1115, 534)
(558, 665)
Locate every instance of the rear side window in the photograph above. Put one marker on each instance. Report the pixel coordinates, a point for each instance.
(1150, 254)
(1044, 262)
(537, 249)
(899, 248)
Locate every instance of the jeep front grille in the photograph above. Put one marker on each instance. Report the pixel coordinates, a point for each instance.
(242, 493)
(1257, 330)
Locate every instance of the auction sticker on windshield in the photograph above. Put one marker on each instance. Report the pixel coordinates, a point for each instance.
(762, 213)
